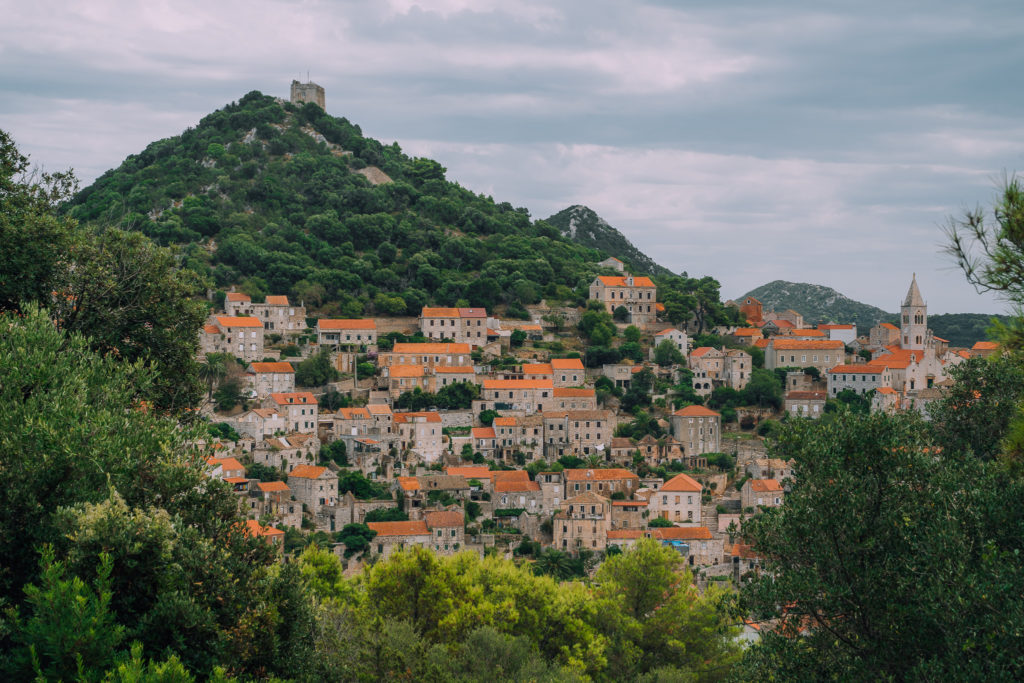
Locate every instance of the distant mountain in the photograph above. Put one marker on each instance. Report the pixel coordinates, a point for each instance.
(581, 224)
(819, 304)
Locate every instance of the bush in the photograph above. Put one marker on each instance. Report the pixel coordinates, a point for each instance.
(387, 515)
(659, 522)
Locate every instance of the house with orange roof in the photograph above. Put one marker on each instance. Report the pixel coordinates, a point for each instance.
(299, 409)
(519, 434)
(629, 514)
(517, 492)
(882, 335)
(314, 486)
(802, 353)
(484, 441)
(279, 315)
(582, 522)
(637, 294)
(392, 537)
(274, 499)
(678, 500)
(860, 378)
(573, 398)
(603, 482)
(420, 433)
(984, 349)
(886, 400)
(346, 333)
(577, 432)
(241, 336)
(273, 536)
(225, 468)
(808, 334)
(789, 315)
(447, 530)
(520, 395)
(237, 304)
(423, 492)
(270, 378)
(567, 372)
(459, 325)
(427, 354)
(714, 368)
(758, 493)
(698, 428)
(746, 335)
(696, 543)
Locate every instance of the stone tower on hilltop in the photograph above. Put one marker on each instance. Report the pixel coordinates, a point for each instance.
(914, 319)
(307, 92)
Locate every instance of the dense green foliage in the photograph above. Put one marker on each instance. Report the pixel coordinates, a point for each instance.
(144, 547)
(916, 574)
(458, 396)
(461, 618)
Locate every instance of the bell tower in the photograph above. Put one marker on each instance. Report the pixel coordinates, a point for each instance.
(913, 318)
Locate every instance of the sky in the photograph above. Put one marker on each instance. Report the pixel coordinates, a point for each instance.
(824, 142)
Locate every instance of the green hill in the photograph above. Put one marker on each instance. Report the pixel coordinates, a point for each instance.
(819, 304)
(277, 198)
(582, 224)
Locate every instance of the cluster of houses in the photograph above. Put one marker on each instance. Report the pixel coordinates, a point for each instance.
(542, 409)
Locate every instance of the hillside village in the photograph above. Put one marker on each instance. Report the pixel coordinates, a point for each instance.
(460, 430)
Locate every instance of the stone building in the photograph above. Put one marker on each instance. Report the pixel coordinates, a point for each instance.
(698, 428)
(583, 522)
(638, 295)
(307, 92)
(678, 500)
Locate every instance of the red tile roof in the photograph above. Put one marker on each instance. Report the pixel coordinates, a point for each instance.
(682, 533)
(308, 472)
(401, 371)
(430, 347)
(515, 486)
(273, 367)
(569, 392)
(682, 482)
(428, 312)
(402, 418)
(277, 300)
(504, 422)
(696, 411)
(483, 432)
(238, 321)
(620, 281)
(537, 369)
(765, 485)
(858, 369)
(985, 346)
(444, 518)
(211, 329)
(566, 364)
(796, 344)
(272, 486)
(409, 483)
(354, 324)
(599, 475)
(237, 296)
(418, 528)
(257, 530)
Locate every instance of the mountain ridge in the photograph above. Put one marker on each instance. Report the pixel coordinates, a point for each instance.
(583, 225)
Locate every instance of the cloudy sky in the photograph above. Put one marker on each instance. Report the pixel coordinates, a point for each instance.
(821, 142)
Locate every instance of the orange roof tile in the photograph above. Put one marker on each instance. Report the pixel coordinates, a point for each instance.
(682, 482)
(226, 463)
(747, 332)
(808, 333)
(418, 528)
(823, 326)
(257, 530)
(569, 392)
(667, 330)
(269, 486)
(765, 485)
(444, 518)
(890, 326)
(429, 416)
(483, 432)
(378, 409)
(294, 398)
(886, 390)
(470, 471)
(515, 486)
(796, 344)
(566, 364)
(273, 367)
(430, 347)
(985, 346)
(237, 296)
(620, 281)
(472, 312)
(428, 312)
(400, 371)
(762, 343)
(238, 321)
(353, 324)
(537, 369)
(353, 413)
(455, 370)
(696, 411)
(504, 422)
(211, 329)
(599, 475)
(308, 472)
(409, 483)
(277, 300)
(860, 369)
(235, 480)
(701, 351)
(682, 533)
